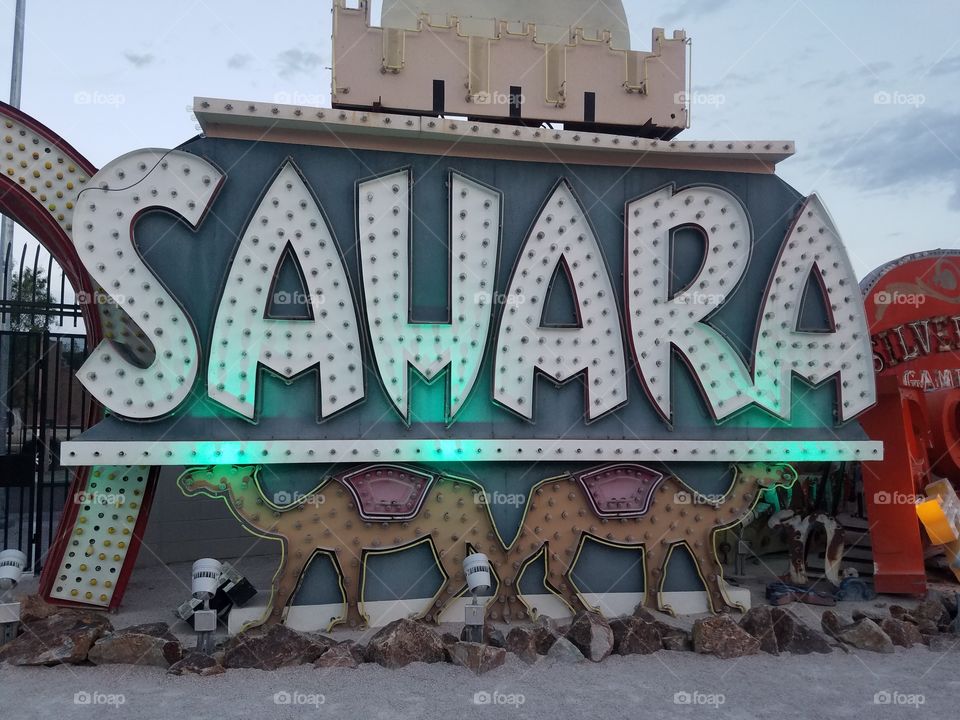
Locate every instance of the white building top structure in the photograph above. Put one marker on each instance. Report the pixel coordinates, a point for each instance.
(525, 63)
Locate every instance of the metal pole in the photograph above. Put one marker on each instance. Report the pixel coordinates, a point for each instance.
(16, 88)
(16, 72)
(6, 223)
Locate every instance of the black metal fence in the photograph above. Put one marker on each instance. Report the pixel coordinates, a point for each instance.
(42, 344)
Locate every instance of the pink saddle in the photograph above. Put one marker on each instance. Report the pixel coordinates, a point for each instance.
(623, 490)
(388, 492)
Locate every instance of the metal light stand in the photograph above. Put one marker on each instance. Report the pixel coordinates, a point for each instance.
(473, 622)
(9, 619)
(205, 624)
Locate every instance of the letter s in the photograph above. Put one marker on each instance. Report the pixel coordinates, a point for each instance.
(103, 234)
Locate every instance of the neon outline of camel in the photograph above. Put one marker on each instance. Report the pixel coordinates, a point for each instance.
(558, 582)
(239, 488)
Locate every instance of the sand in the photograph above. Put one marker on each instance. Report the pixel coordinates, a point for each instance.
(916, 682)
(657, 686)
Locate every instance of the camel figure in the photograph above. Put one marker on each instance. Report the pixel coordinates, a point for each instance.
(798, 528)
(376, 509)
(658, 513)
(350, 516)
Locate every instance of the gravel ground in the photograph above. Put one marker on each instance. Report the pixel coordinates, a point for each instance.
(838, 686)
(664, 685)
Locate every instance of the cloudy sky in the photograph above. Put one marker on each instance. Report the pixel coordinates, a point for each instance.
(867, 88)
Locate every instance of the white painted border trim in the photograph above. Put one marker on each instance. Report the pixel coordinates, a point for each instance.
(314, 618)
(82, 452)
(215, 113)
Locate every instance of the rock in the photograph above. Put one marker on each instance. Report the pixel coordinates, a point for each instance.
(342, 655)
(522, 643)
(545, 635)
(565, 651)
(403, 642)
(947, 599)
(641, 612)
(806, 640)
(867, 635)
(833, 623)
(449, 638)
(898, 612)
(859, 615)
(34, 607)
(476, 657)
(635, 636)
(901, 632)
(63, 638)
(931, 614)
(493, 636)
(674, 638)
(722, 637)
(790, 634)
(784, 626)
(196, 663)
(151, 644)
(591, 634)
(273, 647)
(620, 627)
(643, 638)
(758, 621)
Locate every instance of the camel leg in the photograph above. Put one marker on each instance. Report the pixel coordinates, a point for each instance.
(655, 566)
(712, 572)
(507, 599)
(452, 564)
(351, 591)
(284, 586)
(558, 577)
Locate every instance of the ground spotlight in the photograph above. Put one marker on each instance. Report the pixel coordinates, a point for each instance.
(12, 563)
(215, 588)
(476, 568)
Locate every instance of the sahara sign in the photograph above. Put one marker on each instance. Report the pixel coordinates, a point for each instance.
(685, 304)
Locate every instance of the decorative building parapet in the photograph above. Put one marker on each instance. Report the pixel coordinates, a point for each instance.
(519, 75)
